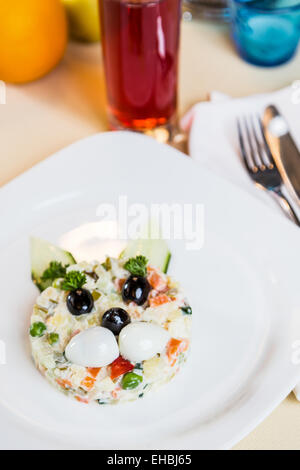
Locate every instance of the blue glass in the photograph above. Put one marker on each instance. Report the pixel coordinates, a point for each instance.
(266, 32)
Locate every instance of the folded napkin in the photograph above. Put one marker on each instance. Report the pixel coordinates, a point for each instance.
(213, 139)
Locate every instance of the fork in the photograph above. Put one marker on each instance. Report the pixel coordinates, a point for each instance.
(260, 163)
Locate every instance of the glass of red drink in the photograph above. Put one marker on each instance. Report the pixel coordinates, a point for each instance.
(140, 51)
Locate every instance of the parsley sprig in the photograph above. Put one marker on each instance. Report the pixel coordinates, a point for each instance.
(137, 266)
(54, 271)
(73, 280)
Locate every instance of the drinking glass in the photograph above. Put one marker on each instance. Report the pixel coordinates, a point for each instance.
(266, 32)
(211, 9)
(140, 51)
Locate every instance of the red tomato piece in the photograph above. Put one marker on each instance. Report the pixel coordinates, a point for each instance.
(119, 367)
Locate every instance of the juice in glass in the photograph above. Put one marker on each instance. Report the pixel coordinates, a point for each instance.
(140, 49)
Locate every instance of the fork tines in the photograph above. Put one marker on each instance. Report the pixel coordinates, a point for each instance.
(254, 147)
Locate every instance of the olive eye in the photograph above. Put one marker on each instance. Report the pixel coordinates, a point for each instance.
(136, 289)
(80, 301)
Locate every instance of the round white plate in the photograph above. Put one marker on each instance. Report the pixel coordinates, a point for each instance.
(242, 284)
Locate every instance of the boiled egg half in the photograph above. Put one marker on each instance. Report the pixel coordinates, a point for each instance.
(94, 347)
(141, 341)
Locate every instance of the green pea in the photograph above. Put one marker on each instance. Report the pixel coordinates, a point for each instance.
(53, 338)
(37, 329)
(131, 381)
(187, 310)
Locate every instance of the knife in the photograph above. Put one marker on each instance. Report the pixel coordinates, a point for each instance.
(284, 149)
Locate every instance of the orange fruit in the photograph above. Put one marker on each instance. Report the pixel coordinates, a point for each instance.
(33, 38)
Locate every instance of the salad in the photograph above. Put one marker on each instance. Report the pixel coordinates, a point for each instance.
(108, 332)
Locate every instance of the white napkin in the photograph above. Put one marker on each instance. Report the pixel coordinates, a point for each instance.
(213, 139)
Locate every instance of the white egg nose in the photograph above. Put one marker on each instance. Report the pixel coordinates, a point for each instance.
(95, 347)
(141, 341)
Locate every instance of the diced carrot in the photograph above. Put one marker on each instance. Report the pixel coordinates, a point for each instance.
(64, 383)
(159, 300)
(175, 347)
(156, 280)
(81, 400)
(119, 367)
(93, 371)
(88, 382)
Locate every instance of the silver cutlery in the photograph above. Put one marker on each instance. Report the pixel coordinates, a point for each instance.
(260, 163)
(283, 149)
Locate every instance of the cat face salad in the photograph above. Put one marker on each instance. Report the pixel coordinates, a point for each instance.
(106, 332)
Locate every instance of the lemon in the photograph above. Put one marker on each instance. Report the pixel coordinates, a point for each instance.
(84, 20)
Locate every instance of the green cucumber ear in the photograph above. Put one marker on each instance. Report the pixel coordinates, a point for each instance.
(42, 253)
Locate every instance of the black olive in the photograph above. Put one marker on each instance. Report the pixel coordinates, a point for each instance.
(80, 301)
(115, 319)
(136, 289)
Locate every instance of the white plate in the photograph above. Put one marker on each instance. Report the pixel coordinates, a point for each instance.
(243, 285)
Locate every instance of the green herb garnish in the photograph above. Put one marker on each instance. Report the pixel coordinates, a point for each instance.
(73, 280)
(137, 266)
(53, 338)
(37, 329)
(187, 310)
(101, 402)
(54, 271)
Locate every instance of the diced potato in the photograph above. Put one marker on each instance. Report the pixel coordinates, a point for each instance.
(172, 284)
(93, 321)
(44, 353)
(56, 320)
(78, 373)
(117, 270)
(104, 283)
(161, 313)
(181, 327)
(106, 385)
(48, 295)
(153, 368)
(174, 314)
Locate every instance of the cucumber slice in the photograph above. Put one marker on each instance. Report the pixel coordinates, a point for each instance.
(42, 253)
(156, 251)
